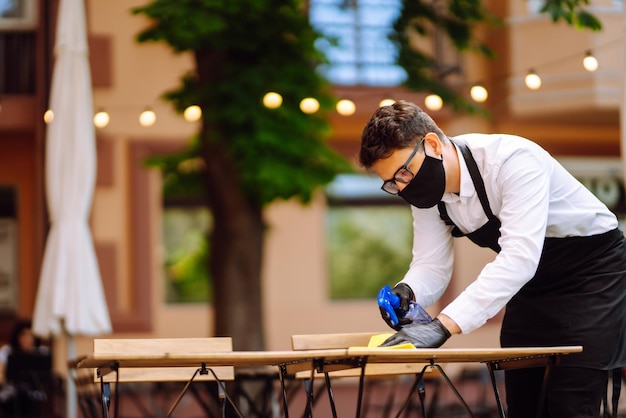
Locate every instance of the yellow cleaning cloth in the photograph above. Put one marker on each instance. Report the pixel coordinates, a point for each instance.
(376, 340)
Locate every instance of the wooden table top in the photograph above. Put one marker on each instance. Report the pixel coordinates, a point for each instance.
(275, 358)
(458, 355)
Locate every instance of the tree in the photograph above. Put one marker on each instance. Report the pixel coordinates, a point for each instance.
(458, 20)
(251, 155)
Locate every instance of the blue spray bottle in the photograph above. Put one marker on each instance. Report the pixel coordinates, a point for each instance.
(391, 303)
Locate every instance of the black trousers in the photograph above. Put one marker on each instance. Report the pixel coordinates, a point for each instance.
(573, 392)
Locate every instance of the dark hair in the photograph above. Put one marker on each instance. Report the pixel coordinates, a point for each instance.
(18, 328)
(393, 127)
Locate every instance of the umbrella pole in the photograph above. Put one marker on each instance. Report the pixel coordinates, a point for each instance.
(70, 387)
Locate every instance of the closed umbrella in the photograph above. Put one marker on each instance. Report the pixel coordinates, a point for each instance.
(70, 298)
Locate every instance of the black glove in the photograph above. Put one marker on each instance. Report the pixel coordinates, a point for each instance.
(422, 335)
(406, 295)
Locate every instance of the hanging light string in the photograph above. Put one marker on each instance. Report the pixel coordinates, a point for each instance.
(346, 106)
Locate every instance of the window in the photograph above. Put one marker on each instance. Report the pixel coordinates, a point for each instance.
(9, 281)
(369, 237)
(186, 253)
(604, 178)
(358, 47)
(17, 62)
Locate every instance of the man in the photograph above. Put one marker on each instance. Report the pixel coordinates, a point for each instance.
(560, 268)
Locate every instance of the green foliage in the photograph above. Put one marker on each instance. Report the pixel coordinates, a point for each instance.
(243, 49)
(369, 247)
(181, 172)
(187, 252)
(458, 19)
(572, 12)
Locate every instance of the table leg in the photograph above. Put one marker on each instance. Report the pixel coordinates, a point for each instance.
(492, 376)
(361, 385)
(308, 386)
(331, 399)
(544, 385)
(418, 378)
(282, 374)
(105, 388)
(456, 392)
(222, 395)
(105, 397)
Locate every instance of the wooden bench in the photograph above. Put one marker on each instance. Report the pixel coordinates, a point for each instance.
(157, 346)
(346, 340)
(165, 346)
(376, 373)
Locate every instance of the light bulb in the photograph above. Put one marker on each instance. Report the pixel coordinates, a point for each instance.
(48, 116)
(147, 118)
(346, 107)
(479, 93)
(433, 102)
(272, 100)
(192, 113)
(309, 105)
(532, 80)
(101, 119)
(386, 102)
(590, 62)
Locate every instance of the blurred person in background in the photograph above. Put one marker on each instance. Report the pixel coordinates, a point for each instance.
(19, 397)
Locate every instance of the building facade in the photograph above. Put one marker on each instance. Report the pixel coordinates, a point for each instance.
(575, 115)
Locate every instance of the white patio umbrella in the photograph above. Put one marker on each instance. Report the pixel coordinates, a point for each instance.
(70, 298)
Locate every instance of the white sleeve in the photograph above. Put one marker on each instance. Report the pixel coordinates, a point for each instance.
(431, 265)
(523, 184)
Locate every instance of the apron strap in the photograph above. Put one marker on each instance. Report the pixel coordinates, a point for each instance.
(479, 185)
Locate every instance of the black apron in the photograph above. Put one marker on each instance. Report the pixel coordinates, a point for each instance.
(576, 297)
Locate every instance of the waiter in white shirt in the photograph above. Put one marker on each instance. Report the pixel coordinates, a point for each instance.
(560, 268)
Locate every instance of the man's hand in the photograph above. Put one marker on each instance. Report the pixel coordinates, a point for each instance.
(422, 335)
(406, 295)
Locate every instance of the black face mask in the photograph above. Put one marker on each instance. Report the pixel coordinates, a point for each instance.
(426, 188)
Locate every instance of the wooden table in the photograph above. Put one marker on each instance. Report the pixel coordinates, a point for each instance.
(336, 359)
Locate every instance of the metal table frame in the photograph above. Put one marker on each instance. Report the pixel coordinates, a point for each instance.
(326, 361)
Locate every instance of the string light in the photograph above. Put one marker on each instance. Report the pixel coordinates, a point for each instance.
(192, 113)
(346, 107)
(479, 93)
(532, 80)
(433, 102)
(590, 62)
(309, 105)
(147, 118)
(48, 116)
(101, 119)
(272, 100)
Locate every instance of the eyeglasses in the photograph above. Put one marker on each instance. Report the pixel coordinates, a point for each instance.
(402, 175)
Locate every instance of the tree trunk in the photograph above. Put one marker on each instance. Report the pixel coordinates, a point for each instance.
(236, 250)
(236, 239)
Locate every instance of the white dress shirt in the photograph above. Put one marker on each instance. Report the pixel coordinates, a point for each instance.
(531, 194)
